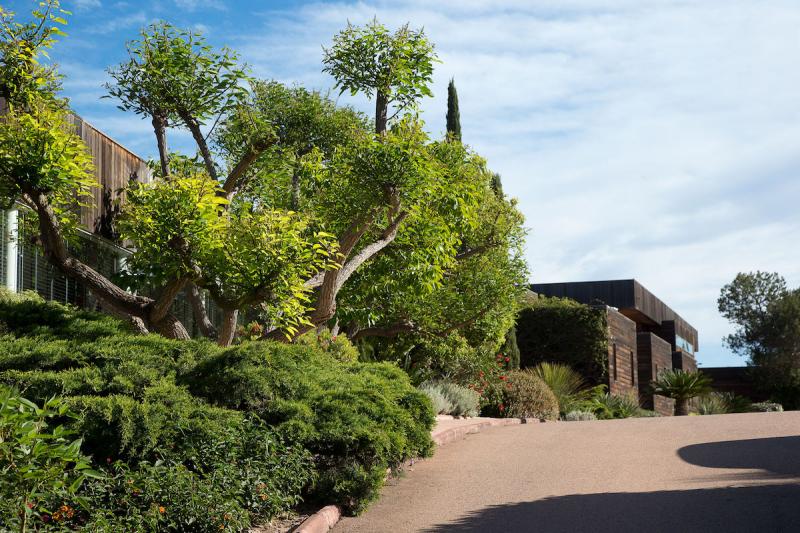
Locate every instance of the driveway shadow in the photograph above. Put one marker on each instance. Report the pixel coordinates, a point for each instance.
(754, 508)
(779, 456)
(767, 508)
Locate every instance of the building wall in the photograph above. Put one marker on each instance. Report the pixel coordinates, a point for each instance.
(654, 355)
(684, 361)
(622, 361)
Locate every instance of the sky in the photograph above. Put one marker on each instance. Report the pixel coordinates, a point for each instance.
(647, 139)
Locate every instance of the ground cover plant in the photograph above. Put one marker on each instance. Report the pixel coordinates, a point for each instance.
(180, 427)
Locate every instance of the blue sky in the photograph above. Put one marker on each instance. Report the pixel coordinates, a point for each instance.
(649, 139)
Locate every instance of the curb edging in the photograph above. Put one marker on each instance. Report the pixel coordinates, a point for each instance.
(323, 520)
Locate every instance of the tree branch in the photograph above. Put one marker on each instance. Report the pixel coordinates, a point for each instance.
(384, 331)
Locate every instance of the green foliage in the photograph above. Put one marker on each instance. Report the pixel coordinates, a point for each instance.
(243, 257)
(452, 399)
(606, 406)
(766, 315)
(717, 403)
(529, 397)
(173, 72)
(510, 348)
(22, 44)
(453, 115)
(566, 384)
(28, 315)
(372, 60)
(713, 403)
(441, 403)
(564, 331)
(337, 346)
(41, 464)
(681, 386)
(357, 419)
(252, 416)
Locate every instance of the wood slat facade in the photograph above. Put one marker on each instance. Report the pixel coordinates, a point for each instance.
(114, 168)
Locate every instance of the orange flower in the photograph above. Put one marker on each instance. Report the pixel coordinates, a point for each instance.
(161, 509)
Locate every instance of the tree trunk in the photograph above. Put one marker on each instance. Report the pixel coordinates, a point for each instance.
(228, 329)
(204, 324)
(160, 129)
(682, 407)
(295, 190)
(381, 110)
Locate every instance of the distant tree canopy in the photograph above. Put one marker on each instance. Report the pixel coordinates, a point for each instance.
(766, 315)
(292, 209)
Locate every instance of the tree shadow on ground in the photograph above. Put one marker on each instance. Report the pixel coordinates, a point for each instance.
(753, 508)
(779, 456)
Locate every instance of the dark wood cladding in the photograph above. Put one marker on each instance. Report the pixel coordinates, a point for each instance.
(683, 361)
(630, 297)
(622, 365)
(654, 355)
(114, 168)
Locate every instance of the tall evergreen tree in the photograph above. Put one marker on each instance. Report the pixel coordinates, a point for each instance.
(453, 116)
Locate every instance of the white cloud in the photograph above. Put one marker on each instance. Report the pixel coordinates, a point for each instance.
(82, 5)
(118, 23)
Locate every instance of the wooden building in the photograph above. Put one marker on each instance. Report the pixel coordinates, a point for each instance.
(661, 338)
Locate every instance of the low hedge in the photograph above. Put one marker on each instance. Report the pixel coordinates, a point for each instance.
(195, 414)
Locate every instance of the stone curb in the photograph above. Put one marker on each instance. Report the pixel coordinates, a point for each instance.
(320, 522)
(445, 436)
(323, 520)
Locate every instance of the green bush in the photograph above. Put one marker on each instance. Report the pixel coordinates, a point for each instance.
(711, 404)
(565, 383)
(452, 399)
(529, 397)
(682, 387)
(193, 413)
(565, 331)
(357, 419)
(337, 346)
(441, 404)
(41, 464)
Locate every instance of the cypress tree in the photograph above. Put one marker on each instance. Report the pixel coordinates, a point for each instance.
(510, 348)
(453, 116)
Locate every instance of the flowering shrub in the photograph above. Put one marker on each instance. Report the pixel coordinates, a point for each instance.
(766, 407)
(41, 465)
(577, 416)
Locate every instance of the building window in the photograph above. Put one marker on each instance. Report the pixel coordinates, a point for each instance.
(633, 375)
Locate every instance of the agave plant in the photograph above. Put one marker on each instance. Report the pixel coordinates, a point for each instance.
(682, 387)
(565, 383)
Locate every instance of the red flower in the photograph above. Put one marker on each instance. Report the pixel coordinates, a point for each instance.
(502, 407)
(502, 378)
(507, 359)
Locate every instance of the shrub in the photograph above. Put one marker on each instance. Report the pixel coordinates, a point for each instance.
(455, 399)
(766, 407)
(337, 346)
(576, 416)
(441, 404)
(41, 465)
(563, 330)
(565, 383)
(527, 396)
(357, 419)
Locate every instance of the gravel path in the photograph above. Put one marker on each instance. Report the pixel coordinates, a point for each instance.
(724, 473)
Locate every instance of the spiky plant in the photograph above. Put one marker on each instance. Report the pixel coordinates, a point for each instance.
(682, 387)
(565, 383)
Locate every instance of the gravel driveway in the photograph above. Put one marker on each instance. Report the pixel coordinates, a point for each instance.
(723, 473)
